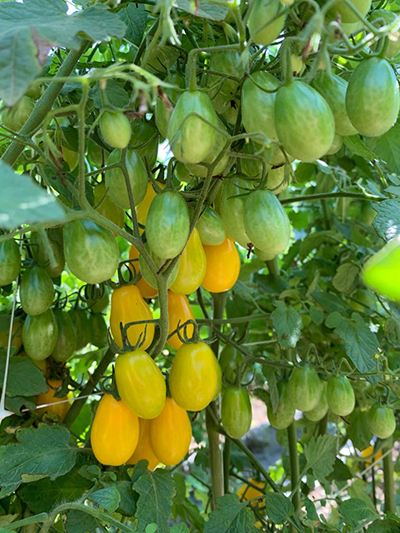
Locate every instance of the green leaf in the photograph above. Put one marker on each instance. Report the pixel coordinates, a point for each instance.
(22, 200)
(135, 18)
(360, 342)
(7, 519)
(24, 377)
(320, 454)
(183, 507)
(328, 301)
(311, 510)
(317, 239)
(29, 30)
(387, 148)
(279, 508)
(115, 94)
(202, 9)
(346, 278)
(231, 516)
(356, 145)
(80, 522)
(179, 528)
(355, 511)
(287, 323)
(128, 498)
(358, 429)
(359, 490)
(47, 494)
(317, 315)
(108, 498)
(392, 331)
(42, 451)
(384, 526)
(387, 221)
(156, 490)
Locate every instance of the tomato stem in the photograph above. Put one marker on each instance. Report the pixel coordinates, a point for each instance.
(388, 477)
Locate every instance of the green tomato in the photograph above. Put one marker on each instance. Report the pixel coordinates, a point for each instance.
(340, 395)
(80, 321)
(382, 270)
(39, 335)
(230, 361)
(98, 330)
(70, 157)
(66, 339)
(10, 262)
(346, 14)
(261, 30)
(232, 208)
(381, 421)
(236, 413)
(115, 129)
(381, 17)
(145, 142)
(200, 171)
(211, 228)
(284, 414)
(320, 410)
(305, 388)
(50, 255)
(15, 117)
(336, 145)
(159, 262)
(36, 291)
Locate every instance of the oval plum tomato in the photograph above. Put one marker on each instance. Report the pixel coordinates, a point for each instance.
(127, 305)
(381, 17)
(382, 270)
(372, 98)
(15, 117)
(249, 492)
(161, 265)
(71, 157)
(171, 434)
(305, 388)
(146, 290)
(333, 88)
(266, 223)
(261, 30)
(230, 63)
(381, 421)
(106, 207)
(191, 139)
(230, 361)
(115, 129)
(36, 291)
(304, 121)
(192, 266)
(98, 330)
(140, 383)
(145, 142)
(10, 262)
(236, 414)
(16, 340)
(193, 377)
(179, 312)
(283, 416)
(49, 255)
(211, 228)
(66, 339)
(223, 267)
(115, 432)
(115, 179)
(142, 209)
(91, 252)
(340, 395)
(144, 449)
(39, 335)
(167, 225)
(346, 14)
(162, 116)
(80, 321)
(232, 207)
(336, 145)
(277, 181)
(320, 410)
(56, 408)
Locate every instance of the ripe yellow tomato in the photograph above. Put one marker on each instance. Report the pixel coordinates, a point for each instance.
(146, 290)
(192, 266)
(194, 378)
(179, 311)
(223, 267)
(144, 450)
(144, 206)
(170, 434)
(140, 383)
(115, 432)
(367, 452)
(16, 340)
(127, 305)
(57, 408)
(247, 492)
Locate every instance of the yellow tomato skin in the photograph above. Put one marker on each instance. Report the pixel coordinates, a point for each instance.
(127, 305)
(179, 310)
(16, 340)
(144, 206)
(115, 432)
(144, 450)
(247, 492)
(60, 409)
(146, 290)
(367, 453)
(192, 266)
(140, 384)
(223, 267)
(170, 434)
(193, 380)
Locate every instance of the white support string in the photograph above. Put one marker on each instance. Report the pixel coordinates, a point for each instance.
(68, 400)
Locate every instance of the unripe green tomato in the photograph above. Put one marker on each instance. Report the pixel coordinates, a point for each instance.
(336, 145)
(53, 264)
(98, 330)
(66, 338)
(115, 129)
(211, 228)
(159, 262)
(80, 320)
(382, 270)
(304, 388)
(15, 117)
(340, 395)
(381, 421)
(230, 361)
(39, 335)
(261, 13)
(236, 412)
(144, 141)
(36, 291)
(284, 414)
(10, 262)
(320, 410)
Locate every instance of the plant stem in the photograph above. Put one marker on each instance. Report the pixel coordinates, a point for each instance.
(388, 478)
(294, 464)
(217, 483)
(227, 464)
(44, 105)
(323, 425)
(321, 196)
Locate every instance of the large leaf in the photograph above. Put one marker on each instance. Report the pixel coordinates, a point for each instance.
(156, 490)
(135, 18)
(108, 498)
(279, 507)
(321, 454)
(387, 148)
(287, 323)
(79, 522)
(356, 145)
(346, 278)
(183, 507)
(202, 9)
(387, 221)
(231, 516)
(29, 30)
(41, 452)
(23, 201)
(358, 430)
(355, 511)
(24, 377)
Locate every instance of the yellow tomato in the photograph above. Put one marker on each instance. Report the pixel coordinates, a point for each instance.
(127, 305)
(367, 454)
(145, 288)
(247, 492)
(170, 434)
(57, 408)
(115, 432)
(140, 383)
(194, 378)
(144, 450)
(179, 311)
(223, 266)
(192, 266)
(16, 340)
